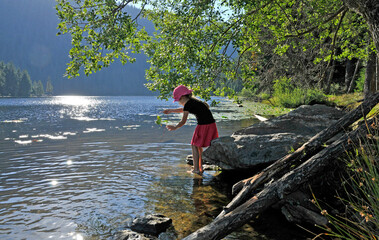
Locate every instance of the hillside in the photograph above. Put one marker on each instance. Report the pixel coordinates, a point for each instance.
(29, 40)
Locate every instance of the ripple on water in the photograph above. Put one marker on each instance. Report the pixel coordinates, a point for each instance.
(103, 160)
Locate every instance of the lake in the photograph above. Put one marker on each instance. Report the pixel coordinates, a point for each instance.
(75, 167)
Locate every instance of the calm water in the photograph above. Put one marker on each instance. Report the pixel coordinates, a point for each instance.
(84, 167)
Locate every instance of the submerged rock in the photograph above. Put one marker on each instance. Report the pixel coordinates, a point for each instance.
(268, 141)
(131, 235)
(147, 228)
(151, 224)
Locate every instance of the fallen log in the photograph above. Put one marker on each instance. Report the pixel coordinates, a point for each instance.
(283, 165)
(278, 190)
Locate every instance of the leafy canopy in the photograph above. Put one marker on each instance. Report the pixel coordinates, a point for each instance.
(206, 44)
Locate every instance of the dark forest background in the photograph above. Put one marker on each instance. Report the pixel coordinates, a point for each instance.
(28, 40)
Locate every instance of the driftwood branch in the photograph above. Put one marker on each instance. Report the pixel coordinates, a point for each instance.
(247, 187)
(278, 190)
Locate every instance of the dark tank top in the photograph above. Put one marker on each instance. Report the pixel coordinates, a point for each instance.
(200, 110)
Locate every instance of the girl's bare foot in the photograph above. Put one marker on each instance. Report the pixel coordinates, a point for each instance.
(195, 171)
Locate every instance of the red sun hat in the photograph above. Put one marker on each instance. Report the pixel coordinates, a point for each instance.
(180, 91)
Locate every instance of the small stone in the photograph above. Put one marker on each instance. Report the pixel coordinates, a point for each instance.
(130, 235)
(151, 224)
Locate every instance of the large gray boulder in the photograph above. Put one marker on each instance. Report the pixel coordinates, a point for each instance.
(268, 141)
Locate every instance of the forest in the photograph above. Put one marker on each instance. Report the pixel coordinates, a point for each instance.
(15, 82)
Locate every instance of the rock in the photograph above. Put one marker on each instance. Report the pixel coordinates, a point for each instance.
(151, 224)
(267, 141)
(130, 235)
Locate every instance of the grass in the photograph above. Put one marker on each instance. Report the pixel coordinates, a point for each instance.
(271, 106)
(360, 219)
(346, 101)
(351, 101)
(264, 109)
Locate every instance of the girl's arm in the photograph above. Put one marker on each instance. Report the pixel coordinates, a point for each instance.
(177, 110)
(180, 124)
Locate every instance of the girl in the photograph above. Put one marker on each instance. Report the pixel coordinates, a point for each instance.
(206, 129)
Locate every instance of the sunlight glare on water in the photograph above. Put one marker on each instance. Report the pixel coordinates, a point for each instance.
(75, 100)
(68, 172)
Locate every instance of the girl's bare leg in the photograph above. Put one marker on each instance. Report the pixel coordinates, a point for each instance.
(200, 150)
(195, 156)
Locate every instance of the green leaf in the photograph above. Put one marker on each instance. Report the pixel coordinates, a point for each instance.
(159, 120)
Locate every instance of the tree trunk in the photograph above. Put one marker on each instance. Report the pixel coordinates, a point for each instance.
(300, 155)
(370, 76)
(377, 75)
(349, 72)
(279, 189)
(352, 85)
(330, 78)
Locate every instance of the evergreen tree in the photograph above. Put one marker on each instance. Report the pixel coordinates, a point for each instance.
(37, 88)
(40, 90)
(11, 80)
(49, 87)
(25, 87)
(2, 79)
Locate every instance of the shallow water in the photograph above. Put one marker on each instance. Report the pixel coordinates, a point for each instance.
(84, 167)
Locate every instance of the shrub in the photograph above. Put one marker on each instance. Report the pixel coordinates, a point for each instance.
(287, 95)
(246, 92)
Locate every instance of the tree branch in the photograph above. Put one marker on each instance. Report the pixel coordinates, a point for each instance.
(237, 22)
(342, 9)
(334, 43)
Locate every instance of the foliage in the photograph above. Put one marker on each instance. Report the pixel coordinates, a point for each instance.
(286, 94)
(202, 43)
(100, 32)
(361, 220)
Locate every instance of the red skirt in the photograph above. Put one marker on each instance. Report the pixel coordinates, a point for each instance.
(204, 134)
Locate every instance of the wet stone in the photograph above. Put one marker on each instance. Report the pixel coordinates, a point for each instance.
(151, 224)
(131, 235)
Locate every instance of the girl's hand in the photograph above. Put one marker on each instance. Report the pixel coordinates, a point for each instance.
(171, 127)
(166, 111)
